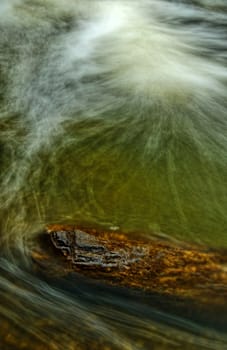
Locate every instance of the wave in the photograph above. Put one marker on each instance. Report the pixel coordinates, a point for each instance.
(93, 93)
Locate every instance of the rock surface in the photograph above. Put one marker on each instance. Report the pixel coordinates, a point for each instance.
(156, 266)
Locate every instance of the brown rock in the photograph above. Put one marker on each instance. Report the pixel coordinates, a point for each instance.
(188, 276)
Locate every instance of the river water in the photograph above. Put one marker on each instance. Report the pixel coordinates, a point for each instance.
(112, 114)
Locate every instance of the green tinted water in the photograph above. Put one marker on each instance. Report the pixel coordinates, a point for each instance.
(95, 174)
(112, 114)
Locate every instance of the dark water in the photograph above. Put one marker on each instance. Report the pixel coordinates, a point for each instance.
(113, 114)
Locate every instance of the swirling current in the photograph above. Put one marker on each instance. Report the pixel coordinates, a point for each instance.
(113, 114)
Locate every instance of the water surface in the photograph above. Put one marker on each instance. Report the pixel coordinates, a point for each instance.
(112, 114)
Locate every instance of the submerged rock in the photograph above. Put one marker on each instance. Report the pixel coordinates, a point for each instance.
(193, 272)
(85, 250)
(186, 281)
